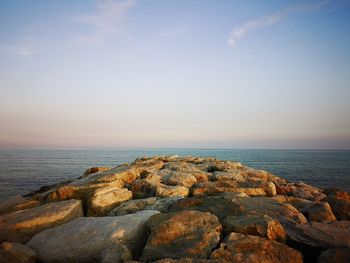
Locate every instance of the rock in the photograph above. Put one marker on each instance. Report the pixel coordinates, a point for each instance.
(252, 249)
(20, 226)
(17, 203)
(185, 260)
(143, 188)
(16, 253)
(218, 187)
(272, 208)
(340, 203)
(105, 199)
(219, 206)
(270, 189)
(84, 239)
(179, 178)
(255, 224)
(6, 206)
(167, 191)
(150, 203)
(230, 204)
(306, 191)
(320, 212)
(184, 234)
(119, 253)
(185, 167)
(338, 255)
(122, 173)
(319, 235)
(228, 176)
(93, 170)
(80, 191)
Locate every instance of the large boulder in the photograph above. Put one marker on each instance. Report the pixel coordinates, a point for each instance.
(79, 191)
(150, 203)
(85, 238)
(306, 191)
(317, 235)
(340, 203)
(16, 253)
(105, 199)
(184, 234)
(20, 226)
(255, 224)
(320, 212)
(16, 203)
(230, 204)
(252, 249)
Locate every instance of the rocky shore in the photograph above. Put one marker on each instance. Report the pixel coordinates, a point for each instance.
(177, 209)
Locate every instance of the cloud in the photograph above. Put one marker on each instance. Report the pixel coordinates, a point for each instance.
(239, 32)
(106, 20)
(18, 50)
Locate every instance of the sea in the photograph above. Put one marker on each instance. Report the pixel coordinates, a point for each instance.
(23, 171)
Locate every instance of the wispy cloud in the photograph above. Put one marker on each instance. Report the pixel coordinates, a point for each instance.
(18, 50)
(107, 19)
(240, 31)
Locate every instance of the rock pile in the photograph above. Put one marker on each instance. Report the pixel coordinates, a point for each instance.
(177, 209)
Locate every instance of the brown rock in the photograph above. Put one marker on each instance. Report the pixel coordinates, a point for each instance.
(306, 191)
(270, 189)
(20, 226)
(319, 235)
(320, 212)
(179, 178)
(105, 199)
(335, 255)
(252, 249)
(218, 187)
(255, 224)
(93, 170)
(79, 191)
(185, 234)
(340, 203)
(16, 253)
(168, 191)
(143, 188)
(17, 203)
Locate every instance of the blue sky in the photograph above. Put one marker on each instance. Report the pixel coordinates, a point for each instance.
(141, 73)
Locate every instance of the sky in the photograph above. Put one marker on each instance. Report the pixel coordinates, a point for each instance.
(269, 74)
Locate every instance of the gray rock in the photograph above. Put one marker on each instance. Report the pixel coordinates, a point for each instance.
(16, 253)
(84, 239)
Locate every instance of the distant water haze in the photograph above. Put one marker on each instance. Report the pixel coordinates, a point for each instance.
(200, 74)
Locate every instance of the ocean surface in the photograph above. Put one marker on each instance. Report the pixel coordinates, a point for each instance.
(22, 171)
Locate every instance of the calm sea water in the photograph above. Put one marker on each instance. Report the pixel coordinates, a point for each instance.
(22, 171)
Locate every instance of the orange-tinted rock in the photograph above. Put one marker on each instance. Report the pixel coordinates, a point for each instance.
(185, 234)
(20, 226)
(253, 249)
(340, 203)
(105, 199)
(257, 225)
